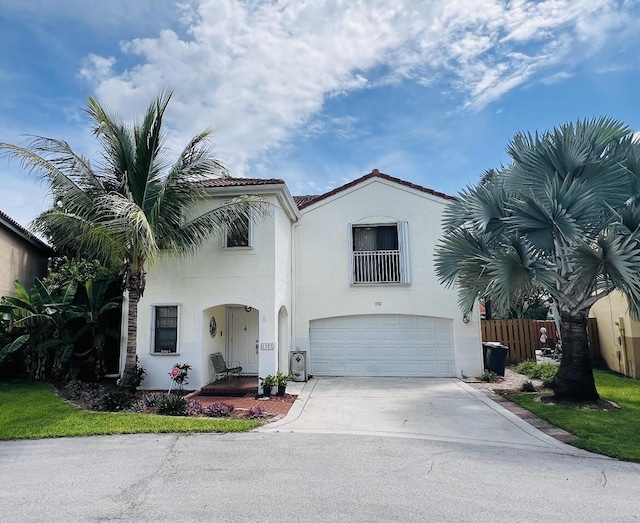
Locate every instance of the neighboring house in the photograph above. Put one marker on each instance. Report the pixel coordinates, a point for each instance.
(618, 333)
(22, 256)
(346, 276)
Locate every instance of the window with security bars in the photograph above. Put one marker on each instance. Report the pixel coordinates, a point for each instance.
(379, 254)
(165, 339)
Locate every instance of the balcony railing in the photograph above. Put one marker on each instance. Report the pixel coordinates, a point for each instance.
(376, 267)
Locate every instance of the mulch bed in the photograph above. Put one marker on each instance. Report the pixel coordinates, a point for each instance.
(594, 405)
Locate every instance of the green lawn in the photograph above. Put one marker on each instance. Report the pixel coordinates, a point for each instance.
(614, 432)
(32, 410)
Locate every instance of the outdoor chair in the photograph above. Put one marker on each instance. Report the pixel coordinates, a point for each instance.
(221, 370)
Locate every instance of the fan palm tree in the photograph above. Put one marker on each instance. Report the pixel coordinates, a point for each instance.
(134, 203)
(563, 219)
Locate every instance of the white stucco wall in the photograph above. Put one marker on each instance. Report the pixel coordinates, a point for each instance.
(321, 272)
(204, 284)
(283, 261)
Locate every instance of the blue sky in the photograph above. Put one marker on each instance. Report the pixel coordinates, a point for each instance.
(318, 92)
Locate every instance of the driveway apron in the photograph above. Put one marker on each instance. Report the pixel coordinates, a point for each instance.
(444, 409)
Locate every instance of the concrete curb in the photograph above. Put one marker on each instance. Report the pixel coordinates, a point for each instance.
(296, 409)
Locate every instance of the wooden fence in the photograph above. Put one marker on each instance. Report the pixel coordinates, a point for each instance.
(523, 337)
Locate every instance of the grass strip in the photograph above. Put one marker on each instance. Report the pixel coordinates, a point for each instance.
(33, 411)
(613, 432)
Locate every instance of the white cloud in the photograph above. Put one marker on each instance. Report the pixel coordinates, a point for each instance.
(256, 71)
(97, 68)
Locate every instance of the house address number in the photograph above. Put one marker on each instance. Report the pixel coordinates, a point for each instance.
(267, 346)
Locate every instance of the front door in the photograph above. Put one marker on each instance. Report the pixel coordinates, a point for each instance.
(243, 343)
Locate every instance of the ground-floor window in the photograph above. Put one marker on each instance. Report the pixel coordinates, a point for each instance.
(165, 331)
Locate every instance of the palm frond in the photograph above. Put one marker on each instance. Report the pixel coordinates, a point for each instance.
(515, 273)
(590, 151)
(126, 225)
(613, 260)
(187, 237)
(118, 151)
(456, 213)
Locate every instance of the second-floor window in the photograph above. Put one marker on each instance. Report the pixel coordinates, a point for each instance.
(379, 254)
(238, 233)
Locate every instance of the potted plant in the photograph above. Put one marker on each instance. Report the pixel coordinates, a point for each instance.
(268, 382)
(281, 382)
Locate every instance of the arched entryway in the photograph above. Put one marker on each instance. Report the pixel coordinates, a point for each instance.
(283, 340)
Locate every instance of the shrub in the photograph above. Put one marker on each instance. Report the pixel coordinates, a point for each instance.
(195, 408)
(151, 399)
(219, 410)
(114, 399)
(140, 373)
(527, 386)
(528, 368)
(139, 406)
(77, 390)
(257, 412)
(172, 405)
(546, 371)
(546, 383)
(489, 375)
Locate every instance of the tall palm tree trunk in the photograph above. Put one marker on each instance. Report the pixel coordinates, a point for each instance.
(574, 379)
(134, 284)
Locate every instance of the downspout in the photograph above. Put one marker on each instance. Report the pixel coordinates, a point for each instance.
(293, 314)
(623, 346)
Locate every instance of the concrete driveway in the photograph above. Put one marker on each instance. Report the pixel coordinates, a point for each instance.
(444, 409)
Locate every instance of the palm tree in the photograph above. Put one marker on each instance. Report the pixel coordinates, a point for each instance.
(563, 219)
(134, 203)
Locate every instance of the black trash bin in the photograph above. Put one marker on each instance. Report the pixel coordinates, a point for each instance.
(495, 357)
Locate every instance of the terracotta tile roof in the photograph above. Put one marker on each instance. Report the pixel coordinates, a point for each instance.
(305, 201)
(9, 223)
(228, 181)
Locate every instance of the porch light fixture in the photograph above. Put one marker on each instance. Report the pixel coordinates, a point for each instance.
(247, 308)
(465, 318)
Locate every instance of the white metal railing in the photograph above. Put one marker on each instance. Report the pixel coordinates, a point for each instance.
(376, 266)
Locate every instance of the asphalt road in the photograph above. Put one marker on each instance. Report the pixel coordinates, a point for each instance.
(266, 477)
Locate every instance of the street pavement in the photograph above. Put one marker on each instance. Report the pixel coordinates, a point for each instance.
(268, 477)
(345, 472)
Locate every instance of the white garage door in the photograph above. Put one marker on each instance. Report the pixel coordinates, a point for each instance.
(382, 345)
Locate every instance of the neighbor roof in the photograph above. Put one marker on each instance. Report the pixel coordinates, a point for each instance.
(228, 181)
(305, 201)
(13, 226)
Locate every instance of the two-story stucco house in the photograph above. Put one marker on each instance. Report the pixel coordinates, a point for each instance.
(346, 276)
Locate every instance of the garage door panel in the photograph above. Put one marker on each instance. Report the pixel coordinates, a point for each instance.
(408, 335)
(428, 353)
(382, 345)
(443, 335)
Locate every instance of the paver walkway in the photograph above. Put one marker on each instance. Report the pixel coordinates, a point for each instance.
(512, 382)
(275, 405)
